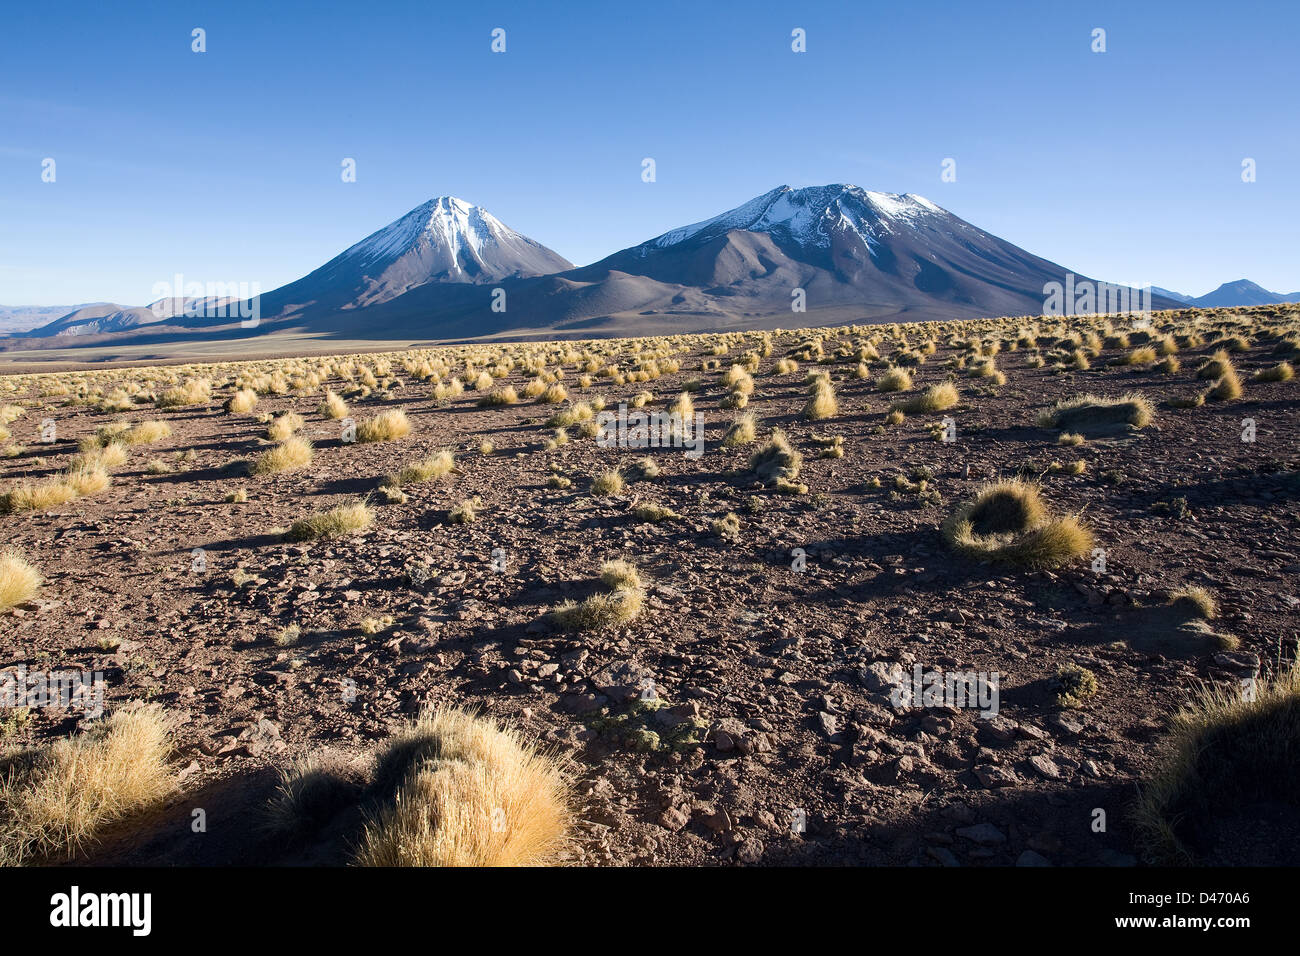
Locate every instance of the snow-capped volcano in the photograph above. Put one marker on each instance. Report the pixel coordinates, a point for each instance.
(445, 240)
(460, 242)
(843, 253)
(813, 215)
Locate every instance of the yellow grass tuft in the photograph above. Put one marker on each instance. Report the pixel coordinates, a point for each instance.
(242, 402)
(19, 581)
(334, 523)
(467, 793)
(776, 461)
(386, 426)
(936, 398)
(1008, 521)
(333, 407)
(290, 455)
(433, 466)
(894, 380)
(1226, 752)
(1092, 413)
(55, 801)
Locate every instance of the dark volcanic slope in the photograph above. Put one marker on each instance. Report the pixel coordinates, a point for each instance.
(858, 255)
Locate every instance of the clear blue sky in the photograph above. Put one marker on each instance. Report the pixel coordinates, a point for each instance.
(225, 166)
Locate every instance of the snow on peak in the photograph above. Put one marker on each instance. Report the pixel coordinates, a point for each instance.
(808, 215)
(445, 221)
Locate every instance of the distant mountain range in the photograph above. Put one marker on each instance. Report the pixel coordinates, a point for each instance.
(1239, 293)
(791, 257)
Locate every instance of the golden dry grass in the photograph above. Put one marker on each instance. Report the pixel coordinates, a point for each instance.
(936, 398)
(56, 800)
(242, 402)
(1225, 752)
(608, 483)
(432, 466)
(822, 403)
(333, 406)
(19, 581)
(386, 426)
(1092, 413)
(469, 794)
(292, 454)
(621, 605)
(284, 426)
(1007, 521)
(333, 523)
(1196, 601)
(777, 460)
(894, 379)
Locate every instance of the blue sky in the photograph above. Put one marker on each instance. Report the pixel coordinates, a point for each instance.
(225, 165)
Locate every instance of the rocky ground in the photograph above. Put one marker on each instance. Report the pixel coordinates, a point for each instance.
(771, 737)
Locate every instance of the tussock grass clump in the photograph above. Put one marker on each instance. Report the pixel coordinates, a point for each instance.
(292, 454)
(822, 403)
(386, 426)
(1008, 521)
(1092, 413)
(894, 380)
(936, 398)
(284, 426)
(311, 790)
(1226, 754)
(1070, 439)
(1281, 372)
(376, 625)
(776, 461)
(466, 793)
(575, 414)
(19, 581)
(432, 466)
(37, 495)
(1216, 366)
(622, 604)
(742, 431)
(727, 527)
(1074, 684)
(553, 394)
(465, 511)
(1144, 355)
(654, 513)
(499, 396)
(1195, 601)
(607, 483)
(111, 455)
(195, 391)
(56, 800)
(334, 523)
(146, 433)
(1226, 388)
(619, 573)
(333, 407)
(241, 403)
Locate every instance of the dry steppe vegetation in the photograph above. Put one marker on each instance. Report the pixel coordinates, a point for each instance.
(402, 608)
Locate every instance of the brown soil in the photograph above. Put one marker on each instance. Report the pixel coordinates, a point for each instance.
(776, 662)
